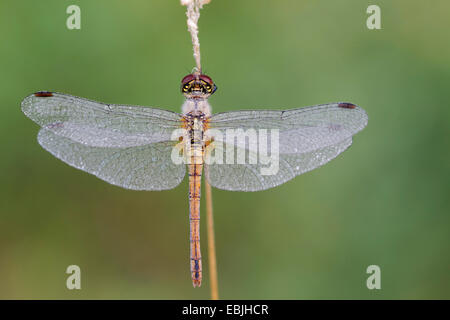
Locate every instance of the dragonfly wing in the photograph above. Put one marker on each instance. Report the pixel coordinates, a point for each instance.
(98, 124)
(146, 167)
(300, 130)
(307, 138)
(249, 177)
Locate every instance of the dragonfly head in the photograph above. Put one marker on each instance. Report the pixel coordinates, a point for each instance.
(197, 86)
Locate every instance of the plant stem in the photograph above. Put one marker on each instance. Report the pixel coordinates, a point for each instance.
(211, 244)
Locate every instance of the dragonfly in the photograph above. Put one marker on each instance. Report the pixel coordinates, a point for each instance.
(138, 148)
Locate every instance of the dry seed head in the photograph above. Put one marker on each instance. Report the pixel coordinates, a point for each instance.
(193, 14)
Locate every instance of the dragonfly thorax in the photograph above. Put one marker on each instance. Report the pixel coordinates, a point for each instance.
(196, 108)
(195, 121)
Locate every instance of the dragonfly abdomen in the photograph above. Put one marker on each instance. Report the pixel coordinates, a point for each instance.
(195, 176)
(194, 154)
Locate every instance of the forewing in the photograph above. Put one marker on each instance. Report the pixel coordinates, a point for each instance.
(97, 124)
(146, 167)
(300, 130)
(308, 138)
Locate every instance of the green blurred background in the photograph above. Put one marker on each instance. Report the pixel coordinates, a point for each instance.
(385, 201)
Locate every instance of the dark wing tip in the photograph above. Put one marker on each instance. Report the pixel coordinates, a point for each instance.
(44, 94)
(346, 105)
